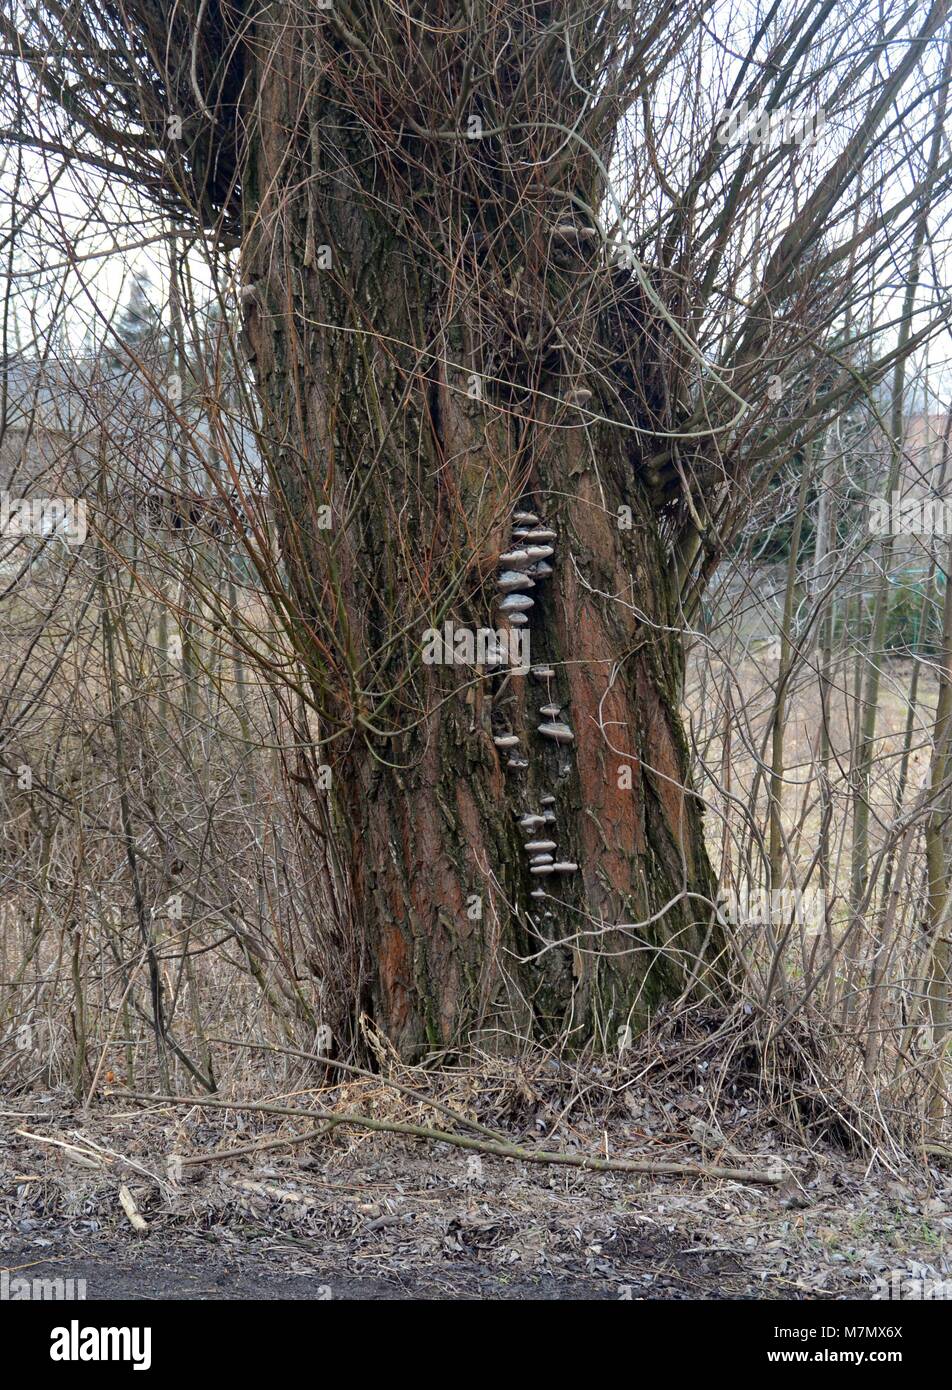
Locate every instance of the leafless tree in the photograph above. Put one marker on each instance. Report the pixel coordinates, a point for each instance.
(505, 269)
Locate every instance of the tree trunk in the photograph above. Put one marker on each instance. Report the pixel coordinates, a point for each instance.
(404, 423)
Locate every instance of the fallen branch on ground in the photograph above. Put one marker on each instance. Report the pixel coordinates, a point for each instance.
(353, 1070)
(84, 1157)
(285, 1142)
(486, 1146)
(127, 1202)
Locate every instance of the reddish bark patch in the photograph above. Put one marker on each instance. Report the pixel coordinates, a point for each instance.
(394, 968)
(605, 732)
(663, 759)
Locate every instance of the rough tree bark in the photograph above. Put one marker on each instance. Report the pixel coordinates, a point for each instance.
(421, 193)
(419, 315)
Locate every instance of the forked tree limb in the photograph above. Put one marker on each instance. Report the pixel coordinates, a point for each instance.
(486, 1146)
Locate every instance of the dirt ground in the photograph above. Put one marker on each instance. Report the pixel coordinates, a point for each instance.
(382, 1216)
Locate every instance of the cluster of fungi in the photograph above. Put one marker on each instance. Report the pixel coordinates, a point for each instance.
(521, 568)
